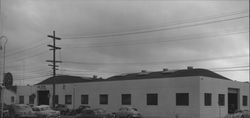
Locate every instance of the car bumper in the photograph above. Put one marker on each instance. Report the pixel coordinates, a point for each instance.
(26, 116)
(136, 116)
(54, 116)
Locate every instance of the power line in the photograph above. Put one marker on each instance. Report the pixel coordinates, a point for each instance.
(27, 57)
(26, 49)
(164, 62)
(35, 77)
(185, 38)
(232, 70)
(158, 29)
(235, 67)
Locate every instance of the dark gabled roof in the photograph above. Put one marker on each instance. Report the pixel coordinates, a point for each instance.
(167, 74)
(62, 79)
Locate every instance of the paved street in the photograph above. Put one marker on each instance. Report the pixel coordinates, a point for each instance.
(67, 117)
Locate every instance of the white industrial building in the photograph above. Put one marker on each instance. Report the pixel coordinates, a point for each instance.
(187, 93)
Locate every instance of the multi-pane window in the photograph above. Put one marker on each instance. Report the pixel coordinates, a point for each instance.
(126, 99)
(182, 99)
(21, 99)
(244, 103)
(103, 99)
(152, 99)
(56, 99)
(221, 99)
(207, 99)
(68, 99)
(12, 99)
(31, 99)
(84, 99)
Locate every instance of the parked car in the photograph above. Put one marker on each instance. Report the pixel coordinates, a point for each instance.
(62, 108)
(239, 114)
(6, 113)
(78, 110)
(81, 108)
(94, 113)
(44, 111)
(127, 112)
(21, 111)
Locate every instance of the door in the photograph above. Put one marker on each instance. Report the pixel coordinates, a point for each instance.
(43, 97)
(233, 101)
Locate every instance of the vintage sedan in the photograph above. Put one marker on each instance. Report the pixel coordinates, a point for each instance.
(239, 114)
(127, 112)
(44, 111)
(21, 111)
(62, 108)
(94, 113)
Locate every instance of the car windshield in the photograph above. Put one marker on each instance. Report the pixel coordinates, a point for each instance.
(45, 108)
(22, 108)
(88, 112)
(99, 111)
(134, 109)
(60, 105)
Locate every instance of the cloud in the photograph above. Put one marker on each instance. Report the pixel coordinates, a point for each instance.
(28, 22)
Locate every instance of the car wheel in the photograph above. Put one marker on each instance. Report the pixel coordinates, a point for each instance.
(113, 116)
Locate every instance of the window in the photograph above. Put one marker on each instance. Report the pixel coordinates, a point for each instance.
(21, 99)
(31, 99)
(84, 99)
(12, 99)
(103, 99)
(244, 103)
(68, 99)
(207, 99)
(152, 99)
(182, 99)
(56, 99)
(221, 100)
(126, 99)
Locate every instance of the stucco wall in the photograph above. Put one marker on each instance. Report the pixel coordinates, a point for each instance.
(218, 86)
(7, 96)
(166, 88)
(26, 91)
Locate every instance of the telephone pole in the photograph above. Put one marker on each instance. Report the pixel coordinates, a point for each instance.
(54, 48)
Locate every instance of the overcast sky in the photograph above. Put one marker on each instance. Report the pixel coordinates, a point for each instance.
(110, 37)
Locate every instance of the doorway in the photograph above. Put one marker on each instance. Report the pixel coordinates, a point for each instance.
(43, 97)
(233, 100)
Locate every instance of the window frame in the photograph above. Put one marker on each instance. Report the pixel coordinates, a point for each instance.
(12, 99)
(86, 100)
(103, 99)
(31, 99)
(220, 96)
(126, 99)
(152, 98)
(208, 99)
(21, 99)
(68, 101)
(179, 99)
(244, 100)
(56, 99)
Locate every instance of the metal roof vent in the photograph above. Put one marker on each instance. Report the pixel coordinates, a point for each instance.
(143, 72)
(190, 67)
(165, 69)
(94, 76)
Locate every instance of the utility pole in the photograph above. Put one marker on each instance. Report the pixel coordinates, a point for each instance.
(54, 48)
(1, 83)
